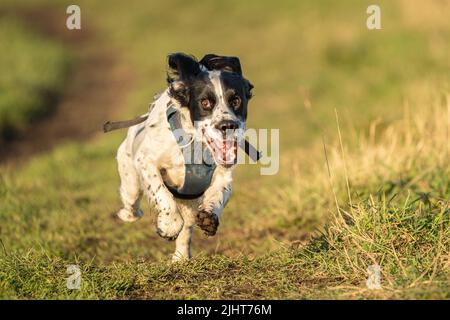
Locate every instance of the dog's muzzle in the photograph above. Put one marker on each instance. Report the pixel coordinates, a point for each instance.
(223, 142)
(227, 126)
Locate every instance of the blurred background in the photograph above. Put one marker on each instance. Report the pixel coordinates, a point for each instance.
(306, 59)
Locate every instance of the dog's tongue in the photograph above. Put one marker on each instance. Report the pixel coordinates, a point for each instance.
(226, 151)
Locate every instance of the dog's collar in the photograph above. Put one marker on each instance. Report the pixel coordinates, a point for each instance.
(199, 162)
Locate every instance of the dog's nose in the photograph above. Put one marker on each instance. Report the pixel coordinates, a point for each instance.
(225, 125)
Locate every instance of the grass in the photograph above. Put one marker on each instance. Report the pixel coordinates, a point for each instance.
(33, 72)
(379, 197)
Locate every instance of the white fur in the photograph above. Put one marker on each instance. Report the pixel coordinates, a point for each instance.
(140, 168)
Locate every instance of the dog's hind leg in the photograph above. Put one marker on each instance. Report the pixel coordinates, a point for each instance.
(130, 191)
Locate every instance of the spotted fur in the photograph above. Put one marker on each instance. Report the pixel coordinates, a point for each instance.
(149, 158)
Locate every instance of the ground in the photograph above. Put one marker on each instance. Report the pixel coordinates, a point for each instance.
(364, 155)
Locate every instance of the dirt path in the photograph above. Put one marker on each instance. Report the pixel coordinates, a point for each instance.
(96, 88)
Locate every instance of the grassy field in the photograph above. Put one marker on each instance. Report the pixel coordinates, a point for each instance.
(33, 73)
(364, 119)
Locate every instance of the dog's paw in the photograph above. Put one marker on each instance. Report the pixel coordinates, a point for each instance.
(169, 228)
(208, 222)
(129, 216)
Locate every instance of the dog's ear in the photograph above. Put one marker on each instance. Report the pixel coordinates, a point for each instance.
(223, 63)
(248, 91)
(181, 69)
(215, 62)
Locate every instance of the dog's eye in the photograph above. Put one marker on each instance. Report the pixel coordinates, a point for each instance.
(206, 104)
(235, 102)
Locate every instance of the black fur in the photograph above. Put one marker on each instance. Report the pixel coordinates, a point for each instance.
(190, 85)
(231, 64)
(182, 67)
(215, 62)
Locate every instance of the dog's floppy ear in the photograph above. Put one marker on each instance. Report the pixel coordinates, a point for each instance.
(249, 88)
(215, 62)
(223, 63)
(182, 68)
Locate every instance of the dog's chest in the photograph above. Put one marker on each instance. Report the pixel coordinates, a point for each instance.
(193, 173)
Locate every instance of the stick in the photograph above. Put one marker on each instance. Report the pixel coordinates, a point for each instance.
(110, 126)
(249, 149)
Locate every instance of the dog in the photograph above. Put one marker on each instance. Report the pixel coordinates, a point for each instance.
(203, 108)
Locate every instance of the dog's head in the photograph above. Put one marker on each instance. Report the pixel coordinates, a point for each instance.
(217, 96)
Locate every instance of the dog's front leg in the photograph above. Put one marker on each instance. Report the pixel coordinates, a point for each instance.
(214, 200)
(169, 220)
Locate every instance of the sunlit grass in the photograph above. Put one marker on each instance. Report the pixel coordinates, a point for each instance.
(33, 72)
(293, 235)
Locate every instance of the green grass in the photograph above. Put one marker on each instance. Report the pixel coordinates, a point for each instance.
(33, 72)
(304, 233)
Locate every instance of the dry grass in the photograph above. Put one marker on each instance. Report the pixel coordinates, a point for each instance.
(384, 203)
(380, 196)
(387, 203)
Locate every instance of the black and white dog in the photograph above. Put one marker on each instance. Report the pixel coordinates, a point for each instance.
(204, 108)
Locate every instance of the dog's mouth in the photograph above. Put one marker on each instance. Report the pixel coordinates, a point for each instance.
(224, 149)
